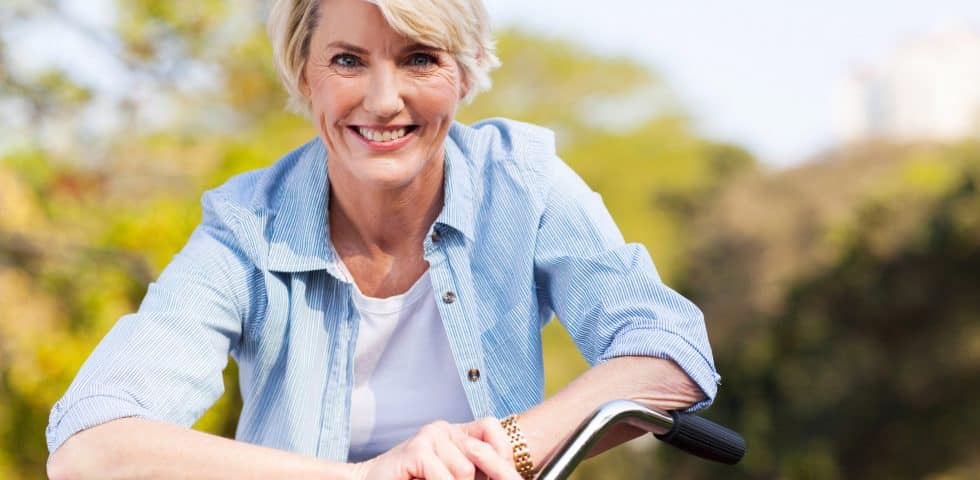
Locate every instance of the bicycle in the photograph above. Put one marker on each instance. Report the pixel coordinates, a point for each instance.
(691, 433)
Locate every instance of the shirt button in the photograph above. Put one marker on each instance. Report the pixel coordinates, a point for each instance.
(473, 374)
(435, 235)
(448, 297)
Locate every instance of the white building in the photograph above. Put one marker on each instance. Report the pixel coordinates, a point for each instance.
(927, 89)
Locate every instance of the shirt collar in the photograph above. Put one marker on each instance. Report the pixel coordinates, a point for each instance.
(459, 197)
(300, 236)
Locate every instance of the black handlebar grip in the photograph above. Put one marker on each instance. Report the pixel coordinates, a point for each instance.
(704, 438)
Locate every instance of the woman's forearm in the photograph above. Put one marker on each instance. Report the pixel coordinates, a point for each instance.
(138, 448)
(653, 382)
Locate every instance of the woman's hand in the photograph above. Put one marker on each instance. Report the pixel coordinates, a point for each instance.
(444, 451)
(489, 431)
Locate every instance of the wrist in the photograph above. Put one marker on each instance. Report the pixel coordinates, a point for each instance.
(356, 471)
(518, 442)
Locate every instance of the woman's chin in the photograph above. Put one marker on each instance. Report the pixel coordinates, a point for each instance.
(383, 171)
(387, 176)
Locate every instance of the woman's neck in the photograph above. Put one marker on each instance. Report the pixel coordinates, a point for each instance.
(369, 221)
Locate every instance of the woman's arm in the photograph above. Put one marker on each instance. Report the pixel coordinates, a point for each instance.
(653, 382)
(646, 342)
(138, 448)
(135, 448)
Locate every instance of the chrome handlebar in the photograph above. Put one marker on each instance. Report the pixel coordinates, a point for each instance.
(691, 433)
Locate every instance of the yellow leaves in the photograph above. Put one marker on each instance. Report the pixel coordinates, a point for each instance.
(157, 229)
(21, 213)
(102, 293)
(28, 319)
(901, 199)
(252, 84)
(930, 175)
(562, 362)
(224, 412)
(650, 178)
(259, 146)
(41, 344)
(57, 84)
(144, 25)
(552, 83)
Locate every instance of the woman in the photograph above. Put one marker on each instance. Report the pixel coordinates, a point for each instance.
(383, 287)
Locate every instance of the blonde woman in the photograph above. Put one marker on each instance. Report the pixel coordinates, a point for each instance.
(383, 287)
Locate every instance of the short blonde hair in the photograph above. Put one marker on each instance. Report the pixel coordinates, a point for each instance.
(460, 27)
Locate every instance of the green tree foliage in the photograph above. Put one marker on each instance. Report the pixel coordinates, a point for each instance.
(867, 363)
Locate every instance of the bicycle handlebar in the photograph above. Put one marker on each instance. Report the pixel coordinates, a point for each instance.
(691, 433)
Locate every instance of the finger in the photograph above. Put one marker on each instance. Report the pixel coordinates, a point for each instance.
(486, 458)
(434, 469)
(450, 451)
(489, 430)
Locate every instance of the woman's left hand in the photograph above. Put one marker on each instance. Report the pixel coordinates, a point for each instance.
(488, 430)
(445, 451)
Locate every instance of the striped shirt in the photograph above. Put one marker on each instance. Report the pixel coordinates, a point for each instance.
(521, 238)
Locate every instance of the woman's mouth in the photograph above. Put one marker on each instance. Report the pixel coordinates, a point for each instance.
(383, 135)
(384, 139)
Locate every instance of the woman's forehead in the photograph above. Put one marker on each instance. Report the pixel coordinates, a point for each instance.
(353, 16)
(360, 23)
(397, 23)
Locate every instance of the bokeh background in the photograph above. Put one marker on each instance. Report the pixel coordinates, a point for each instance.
(820, 205)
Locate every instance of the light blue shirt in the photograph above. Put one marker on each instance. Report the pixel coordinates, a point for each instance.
(521, 238)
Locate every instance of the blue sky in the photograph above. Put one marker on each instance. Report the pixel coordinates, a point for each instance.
(760, 73)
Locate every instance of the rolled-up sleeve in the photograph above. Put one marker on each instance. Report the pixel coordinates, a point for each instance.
(607, 293)
(165, 361)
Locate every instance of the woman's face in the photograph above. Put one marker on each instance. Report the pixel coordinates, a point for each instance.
(383, 103)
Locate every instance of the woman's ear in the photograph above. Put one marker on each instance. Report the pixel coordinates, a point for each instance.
(464, 84)
(304, 86)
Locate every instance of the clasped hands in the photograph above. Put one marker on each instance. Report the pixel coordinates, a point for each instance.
(443, 451)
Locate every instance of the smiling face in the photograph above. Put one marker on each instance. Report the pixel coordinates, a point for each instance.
(382, 102)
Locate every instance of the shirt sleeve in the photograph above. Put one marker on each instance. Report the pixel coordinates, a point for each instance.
(607, 293)
(165, 361)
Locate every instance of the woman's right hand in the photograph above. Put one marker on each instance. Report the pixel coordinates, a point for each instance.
(439, 451)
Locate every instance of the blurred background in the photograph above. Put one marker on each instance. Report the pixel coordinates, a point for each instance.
(806, 173)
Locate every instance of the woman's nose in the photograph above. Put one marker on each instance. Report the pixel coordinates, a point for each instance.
(384, 97)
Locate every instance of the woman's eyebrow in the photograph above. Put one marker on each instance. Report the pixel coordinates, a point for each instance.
(418, 46)
(342, 45)
(347, 46)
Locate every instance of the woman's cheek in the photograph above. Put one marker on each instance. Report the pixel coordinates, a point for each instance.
(441, 100)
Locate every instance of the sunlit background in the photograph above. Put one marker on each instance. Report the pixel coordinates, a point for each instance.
(806, 172)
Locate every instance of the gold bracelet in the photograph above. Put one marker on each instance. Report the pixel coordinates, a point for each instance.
(522, 454)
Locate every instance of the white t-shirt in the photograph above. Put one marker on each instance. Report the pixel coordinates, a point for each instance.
(404, 372)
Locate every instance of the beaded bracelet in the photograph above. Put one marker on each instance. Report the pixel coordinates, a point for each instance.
(522, 454)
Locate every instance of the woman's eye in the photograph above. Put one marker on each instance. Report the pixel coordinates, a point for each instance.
(422, 60)
(346, 60)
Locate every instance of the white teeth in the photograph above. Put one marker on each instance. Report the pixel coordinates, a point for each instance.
(381, 136)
